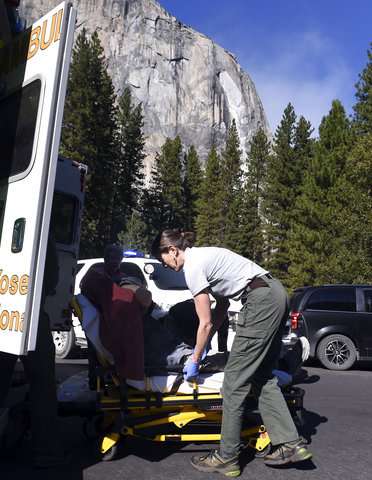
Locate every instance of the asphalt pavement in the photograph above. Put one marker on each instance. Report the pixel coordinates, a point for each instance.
(338, 426)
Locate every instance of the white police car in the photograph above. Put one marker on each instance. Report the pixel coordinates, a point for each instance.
(167, 287)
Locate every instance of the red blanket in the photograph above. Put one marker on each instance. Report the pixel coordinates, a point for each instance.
(121, 326)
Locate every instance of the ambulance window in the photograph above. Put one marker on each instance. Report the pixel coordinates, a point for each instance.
(3, 195)
(18, 115)
(62, 222)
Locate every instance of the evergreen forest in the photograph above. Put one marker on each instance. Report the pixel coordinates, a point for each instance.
(299, 205)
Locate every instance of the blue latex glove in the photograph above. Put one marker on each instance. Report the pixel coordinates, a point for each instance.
(191, 369)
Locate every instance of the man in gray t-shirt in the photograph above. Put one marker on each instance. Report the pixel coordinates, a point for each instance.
(221, 271)
(254, 353)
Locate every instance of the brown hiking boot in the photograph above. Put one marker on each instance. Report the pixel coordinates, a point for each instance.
(291, 452)
(213, 462)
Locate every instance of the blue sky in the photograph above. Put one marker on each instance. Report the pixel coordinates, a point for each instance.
(307, 52)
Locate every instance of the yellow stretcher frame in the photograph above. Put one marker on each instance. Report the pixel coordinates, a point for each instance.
(133, 413)
(167, 409)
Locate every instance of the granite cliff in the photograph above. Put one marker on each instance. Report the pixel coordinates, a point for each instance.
(188, 85)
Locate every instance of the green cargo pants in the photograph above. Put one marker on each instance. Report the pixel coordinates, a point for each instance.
(253, 356)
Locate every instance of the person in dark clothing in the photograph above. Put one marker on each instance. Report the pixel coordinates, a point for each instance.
(39, 367)
(113, 256)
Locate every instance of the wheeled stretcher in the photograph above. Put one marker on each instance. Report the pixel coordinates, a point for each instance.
(165, 408)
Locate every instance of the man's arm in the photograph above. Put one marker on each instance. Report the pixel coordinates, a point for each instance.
(220, 313)
(203, 309)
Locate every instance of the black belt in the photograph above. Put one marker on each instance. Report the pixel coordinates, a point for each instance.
(256, 282)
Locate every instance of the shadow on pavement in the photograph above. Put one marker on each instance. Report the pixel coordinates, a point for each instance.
(79, 452)
(311, 421)
(302, 377)
(148, 450)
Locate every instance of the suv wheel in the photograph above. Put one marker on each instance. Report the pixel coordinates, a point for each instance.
(337, 352)
(64, 343)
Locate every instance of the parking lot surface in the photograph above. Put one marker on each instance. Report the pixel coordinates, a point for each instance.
(338, 426)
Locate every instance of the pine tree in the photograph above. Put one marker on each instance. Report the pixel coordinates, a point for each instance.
(363, 107)
(278, 193)
(209, 219)
(303, 150)
(88, 136)
(135, 235)
(358, 182)
(151, 206)
(317, 247)
(163, 205)
(191, 187)
(286, 168)
(169, 165)
(251, 242)
(129, 168)
(231, 176)
(356, 218)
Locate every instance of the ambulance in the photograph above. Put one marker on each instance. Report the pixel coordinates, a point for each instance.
(39, 192)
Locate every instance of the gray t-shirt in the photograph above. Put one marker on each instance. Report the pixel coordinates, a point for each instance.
(221, 271)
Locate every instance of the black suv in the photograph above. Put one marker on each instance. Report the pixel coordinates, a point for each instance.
(337, 320)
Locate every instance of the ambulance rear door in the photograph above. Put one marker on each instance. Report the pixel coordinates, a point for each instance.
(65, 225)
(33, 76)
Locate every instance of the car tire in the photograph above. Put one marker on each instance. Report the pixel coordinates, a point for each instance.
(337, 352)
(65, 343)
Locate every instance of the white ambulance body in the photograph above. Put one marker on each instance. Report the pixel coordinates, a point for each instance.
(33, 76)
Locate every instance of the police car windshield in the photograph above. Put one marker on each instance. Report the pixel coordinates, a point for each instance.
(167, 279)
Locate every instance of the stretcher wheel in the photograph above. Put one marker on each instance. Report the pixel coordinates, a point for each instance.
(111, 445)
(264, 452)
(112, 453)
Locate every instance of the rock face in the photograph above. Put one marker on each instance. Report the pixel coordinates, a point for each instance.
(188, 85)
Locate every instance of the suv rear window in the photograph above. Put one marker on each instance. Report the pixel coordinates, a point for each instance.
(341, 299)
(296, 298)
(368, 301)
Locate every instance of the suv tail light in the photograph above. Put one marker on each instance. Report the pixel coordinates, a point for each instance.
(294, 317)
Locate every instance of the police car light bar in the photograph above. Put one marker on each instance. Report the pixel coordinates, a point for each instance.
(133, 253)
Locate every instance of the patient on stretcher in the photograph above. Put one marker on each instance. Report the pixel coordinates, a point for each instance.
(120, 320)
(164, 349)
(165, 352)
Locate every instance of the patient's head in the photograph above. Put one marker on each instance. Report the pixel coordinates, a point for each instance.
(113, 256)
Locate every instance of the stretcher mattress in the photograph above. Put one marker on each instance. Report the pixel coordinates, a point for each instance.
(207, 383)
(76, 388)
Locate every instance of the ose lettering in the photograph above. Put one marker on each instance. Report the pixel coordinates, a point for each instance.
(13, 285)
